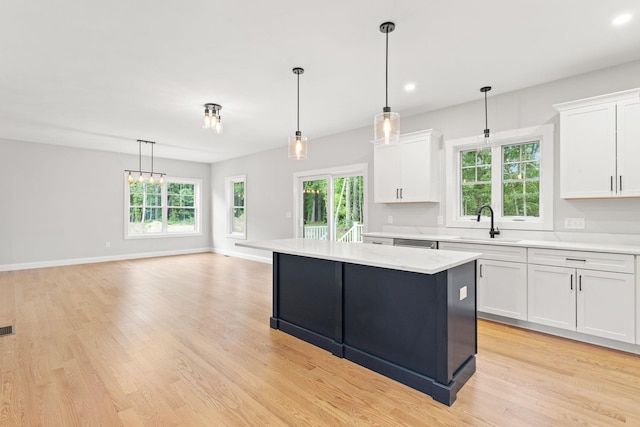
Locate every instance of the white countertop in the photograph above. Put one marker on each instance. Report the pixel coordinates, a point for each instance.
(545, 244)
(416, 260)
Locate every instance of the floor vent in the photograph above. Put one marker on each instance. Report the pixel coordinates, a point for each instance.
(6, 330)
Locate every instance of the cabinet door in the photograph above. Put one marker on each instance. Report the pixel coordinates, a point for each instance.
(552, 296)
(605, 304)
(416, 171)
(502, 288)
(386, 186)
(628, 113)
(588, 151)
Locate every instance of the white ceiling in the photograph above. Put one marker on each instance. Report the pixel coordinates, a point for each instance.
(102, 74)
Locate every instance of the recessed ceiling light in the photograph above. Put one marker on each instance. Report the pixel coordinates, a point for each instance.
(410, 87)
(622, 19)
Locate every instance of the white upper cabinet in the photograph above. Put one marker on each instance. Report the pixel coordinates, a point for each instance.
(599, 140)
(407, 171)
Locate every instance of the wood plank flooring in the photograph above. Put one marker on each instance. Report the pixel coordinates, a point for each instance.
(185, 341)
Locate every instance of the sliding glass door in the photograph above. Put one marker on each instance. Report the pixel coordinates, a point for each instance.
(332, 206)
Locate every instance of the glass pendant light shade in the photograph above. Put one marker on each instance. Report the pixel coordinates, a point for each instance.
(298, 146)
(206, 119)
(216, 124)
(387, 127)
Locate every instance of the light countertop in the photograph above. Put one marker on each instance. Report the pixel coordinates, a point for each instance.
(545, 244)
(393, 257)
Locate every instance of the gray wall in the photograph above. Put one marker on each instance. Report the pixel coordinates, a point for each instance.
(60, 203)
(270, 173)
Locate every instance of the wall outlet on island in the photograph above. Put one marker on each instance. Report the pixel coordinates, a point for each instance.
(574, 223)
(390, 219)
(440, 220)
(107, 244)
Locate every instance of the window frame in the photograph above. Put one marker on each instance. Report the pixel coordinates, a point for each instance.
(165, 209)
(545, 136)
(230, 182)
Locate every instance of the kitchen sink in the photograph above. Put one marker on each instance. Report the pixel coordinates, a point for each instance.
(487, 239)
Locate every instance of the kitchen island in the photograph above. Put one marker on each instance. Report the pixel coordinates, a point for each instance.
(406, 313)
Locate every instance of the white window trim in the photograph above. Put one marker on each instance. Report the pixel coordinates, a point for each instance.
(544, 134)
(347, 170)
(164, 233)
(228, 182)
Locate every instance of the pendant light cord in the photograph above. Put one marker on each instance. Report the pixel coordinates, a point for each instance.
(140, 156)
(486, 118)
(298, 126)
(386, 73)
(152, 158)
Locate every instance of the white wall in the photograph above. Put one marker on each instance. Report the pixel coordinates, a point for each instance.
(61, 204)
(270, 173)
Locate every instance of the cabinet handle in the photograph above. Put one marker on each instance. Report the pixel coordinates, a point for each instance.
(620, 182)
(571, 281)
(611, 182)
(580, 283)
(376, 243)
(576, 259)
(480, 270)
(397, 193)
(401, 193)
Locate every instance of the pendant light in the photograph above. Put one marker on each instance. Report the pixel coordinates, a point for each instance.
(486, 137)
(298, 143)
(140, 172)
(386, 124)
(212, 119)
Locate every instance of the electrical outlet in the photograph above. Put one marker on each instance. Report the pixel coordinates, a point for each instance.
(440, 220)
(287, 215)
(390, 219)
(107, 244)
(463, 293)
(574, 223)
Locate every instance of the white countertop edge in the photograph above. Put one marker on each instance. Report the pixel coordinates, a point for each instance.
(414, 260)
(542, 244)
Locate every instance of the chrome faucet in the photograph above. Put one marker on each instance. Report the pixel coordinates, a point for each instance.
(492, 231)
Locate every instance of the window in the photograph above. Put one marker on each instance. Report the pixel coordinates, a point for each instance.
(514, 176)
(237, 205)
(160, 210)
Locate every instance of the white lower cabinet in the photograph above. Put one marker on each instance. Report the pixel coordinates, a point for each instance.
(502, 288)
(599, 303)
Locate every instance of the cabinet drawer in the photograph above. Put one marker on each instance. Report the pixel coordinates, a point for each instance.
(377, 240)
(604, 261)
(494, 252)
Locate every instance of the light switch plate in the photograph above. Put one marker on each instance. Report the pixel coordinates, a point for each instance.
(390, 219)
(463, 293)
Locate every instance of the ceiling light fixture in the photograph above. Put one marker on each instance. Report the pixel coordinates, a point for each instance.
(212, 119)
(140, 172)
(621, 19)
(410, 87)
(298, 143)
(486, 136)
(386, 125)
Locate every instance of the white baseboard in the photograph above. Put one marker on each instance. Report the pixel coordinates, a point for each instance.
(123, 257)
(267, 260)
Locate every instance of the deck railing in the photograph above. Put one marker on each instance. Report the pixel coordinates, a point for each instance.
(320, 232)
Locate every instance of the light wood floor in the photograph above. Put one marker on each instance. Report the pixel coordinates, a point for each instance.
(186, 341)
